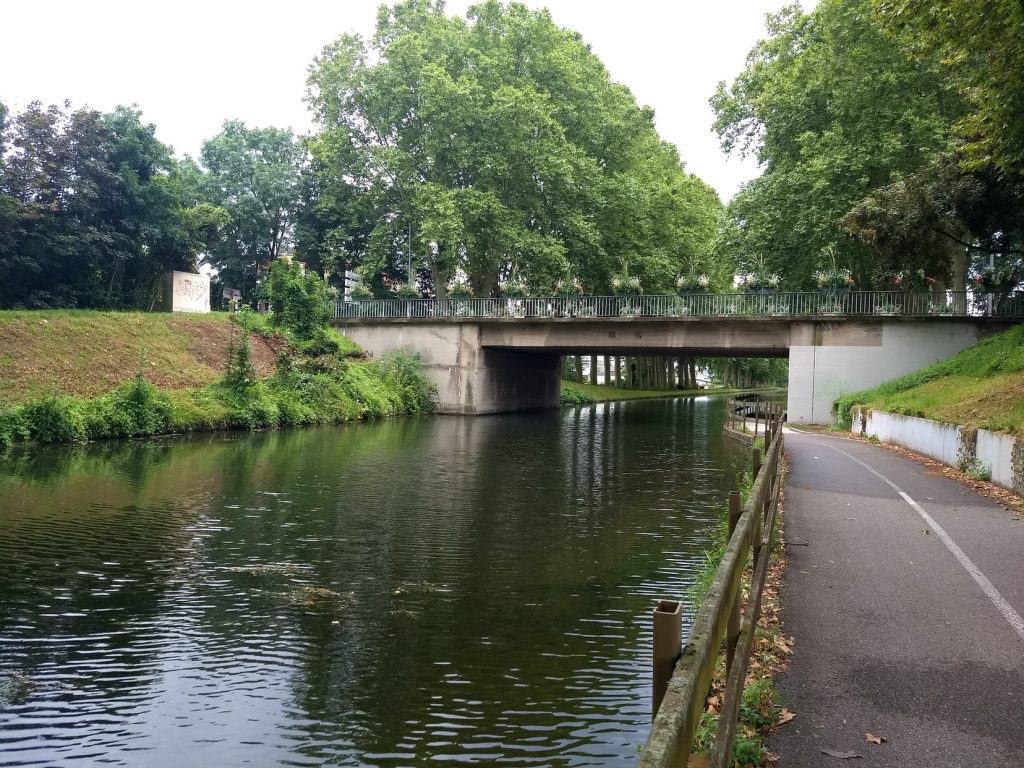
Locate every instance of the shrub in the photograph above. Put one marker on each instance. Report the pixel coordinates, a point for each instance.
(56, 419)
(241, 373)
(298, 299)
(570, 395)
(253, 322)
(134, 408)
(401, 370)
(14, 426)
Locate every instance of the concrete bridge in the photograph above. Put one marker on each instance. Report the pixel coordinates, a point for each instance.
(500, 355)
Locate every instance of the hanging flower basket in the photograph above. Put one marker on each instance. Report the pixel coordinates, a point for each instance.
(760, 283)
(407, 292)
(833, 281)
(627, 286)
(568, 288)
(996, 280)
(692, 283)
(514, 289)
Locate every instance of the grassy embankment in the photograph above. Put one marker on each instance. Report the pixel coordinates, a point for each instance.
(981, 388)
(575, 393)
(78, 375)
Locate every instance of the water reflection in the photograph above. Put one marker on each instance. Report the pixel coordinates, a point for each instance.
(447, 589)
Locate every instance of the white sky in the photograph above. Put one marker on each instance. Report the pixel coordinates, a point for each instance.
(190, 65)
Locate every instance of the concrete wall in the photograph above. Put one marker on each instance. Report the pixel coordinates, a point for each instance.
(186, 292)
(827, 360)
(1001, 455)
(469, 378)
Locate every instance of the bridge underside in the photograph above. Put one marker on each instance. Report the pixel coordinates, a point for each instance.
(493, 366)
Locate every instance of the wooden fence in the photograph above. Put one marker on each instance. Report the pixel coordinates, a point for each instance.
(718, 625)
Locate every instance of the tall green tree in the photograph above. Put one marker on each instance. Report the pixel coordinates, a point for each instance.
(497, 146)
(982, 43)
(92, 210)
(253, 174)
(833, 109)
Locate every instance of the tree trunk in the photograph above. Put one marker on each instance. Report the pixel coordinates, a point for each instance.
(578, 359)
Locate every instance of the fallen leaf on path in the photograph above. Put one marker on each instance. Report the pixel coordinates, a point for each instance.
(870, 738)
(785, 716)
(926, 532)
(841, 755)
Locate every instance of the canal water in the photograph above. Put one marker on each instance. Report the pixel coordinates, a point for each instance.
(445, 590)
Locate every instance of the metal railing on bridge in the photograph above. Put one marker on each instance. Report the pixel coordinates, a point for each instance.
(806, 304)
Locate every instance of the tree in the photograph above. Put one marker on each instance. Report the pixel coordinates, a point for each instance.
(92, 210)
(493, 147)
(253, 174)
(834, 110)
(982, 43)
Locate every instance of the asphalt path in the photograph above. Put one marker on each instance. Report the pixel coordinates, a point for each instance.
(904, 594)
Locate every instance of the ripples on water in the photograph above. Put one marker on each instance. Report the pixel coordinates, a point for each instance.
(438, 590)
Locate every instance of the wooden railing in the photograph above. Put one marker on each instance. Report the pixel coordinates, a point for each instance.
(752, 409)
(717, 625)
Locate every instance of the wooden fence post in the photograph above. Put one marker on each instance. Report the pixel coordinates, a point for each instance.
(733, 633)
(755, 463)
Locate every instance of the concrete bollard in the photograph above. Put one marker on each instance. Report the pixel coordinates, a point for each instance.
(668, 646)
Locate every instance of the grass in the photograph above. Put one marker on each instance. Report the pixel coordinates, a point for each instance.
(79, 376)
(90, 353)
(982, 387)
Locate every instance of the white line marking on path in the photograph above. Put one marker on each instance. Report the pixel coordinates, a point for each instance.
(1012, 617)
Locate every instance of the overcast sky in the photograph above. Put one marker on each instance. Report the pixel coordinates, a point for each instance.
(190, 65)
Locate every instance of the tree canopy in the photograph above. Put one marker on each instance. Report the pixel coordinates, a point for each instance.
(253, 174)
(981, 42)
(833, 109)
(92, 209)
(492, 147)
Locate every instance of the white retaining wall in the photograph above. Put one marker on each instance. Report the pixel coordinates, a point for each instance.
(1001, 455)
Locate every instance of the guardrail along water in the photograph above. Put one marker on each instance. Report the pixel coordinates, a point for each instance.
(718, 626)
(801, 304)
(434, 591)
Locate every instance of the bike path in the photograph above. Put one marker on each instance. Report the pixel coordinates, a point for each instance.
(904, 594)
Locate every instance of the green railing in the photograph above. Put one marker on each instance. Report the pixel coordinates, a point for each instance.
(808, 304)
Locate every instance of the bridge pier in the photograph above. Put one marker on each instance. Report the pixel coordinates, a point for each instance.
(470, 378)
(830, 359)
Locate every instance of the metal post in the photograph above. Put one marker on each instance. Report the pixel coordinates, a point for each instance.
(668, 639)
(733, 632)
